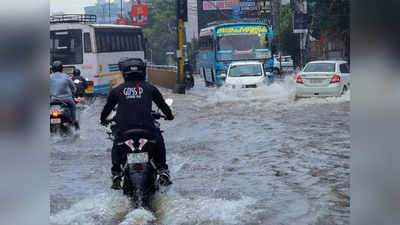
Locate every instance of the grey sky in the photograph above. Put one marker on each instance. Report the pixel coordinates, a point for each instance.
(70, 6)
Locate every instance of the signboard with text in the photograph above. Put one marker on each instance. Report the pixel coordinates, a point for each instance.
(122, 21)
(139, 14)
(217, 5)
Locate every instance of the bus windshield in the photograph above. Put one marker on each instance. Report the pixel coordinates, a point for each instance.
(242, 42)
(66, 46)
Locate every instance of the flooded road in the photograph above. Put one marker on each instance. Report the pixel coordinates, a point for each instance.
(236, 156)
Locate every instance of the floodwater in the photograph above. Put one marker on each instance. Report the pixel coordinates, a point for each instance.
(251, 156)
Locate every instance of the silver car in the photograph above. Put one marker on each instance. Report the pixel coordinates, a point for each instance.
(323, 78)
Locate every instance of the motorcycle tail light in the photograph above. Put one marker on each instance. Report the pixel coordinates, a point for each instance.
(55, 113)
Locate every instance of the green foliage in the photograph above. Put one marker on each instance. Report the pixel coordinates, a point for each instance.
(285, 40)
(192, 50)
(161, 32)
(329, 15)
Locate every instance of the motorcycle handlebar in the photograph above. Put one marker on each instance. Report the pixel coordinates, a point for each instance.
(157, 115)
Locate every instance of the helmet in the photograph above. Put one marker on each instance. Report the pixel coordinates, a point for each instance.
(132, 68)
(77, 72)
(57, 66)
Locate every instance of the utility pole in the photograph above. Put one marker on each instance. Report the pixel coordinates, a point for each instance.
(109, 10)
(181, 15)
(121, 9)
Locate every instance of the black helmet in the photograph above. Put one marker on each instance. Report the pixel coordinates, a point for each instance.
(77, 72)
(132, 68)
(57, 66)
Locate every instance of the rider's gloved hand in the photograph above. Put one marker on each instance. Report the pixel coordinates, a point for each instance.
(104, 123)
(170, 117)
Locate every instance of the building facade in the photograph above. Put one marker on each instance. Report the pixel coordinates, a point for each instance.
(108, 12)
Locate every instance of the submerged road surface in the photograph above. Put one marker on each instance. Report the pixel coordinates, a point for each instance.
(237, 157)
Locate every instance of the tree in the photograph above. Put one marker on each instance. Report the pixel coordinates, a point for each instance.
(161, 33)
(285, 40)
(332, 16)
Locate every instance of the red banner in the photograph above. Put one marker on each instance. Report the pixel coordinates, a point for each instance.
(139, 14)
(122, 21)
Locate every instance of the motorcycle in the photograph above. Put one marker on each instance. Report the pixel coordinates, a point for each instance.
(80, 91)
(189, 80)
(60, 117)
(140, 180)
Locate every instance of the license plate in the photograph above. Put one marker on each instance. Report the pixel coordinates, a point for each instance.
(89, 90)
(138, 157)
(55, 121)
(316, 81)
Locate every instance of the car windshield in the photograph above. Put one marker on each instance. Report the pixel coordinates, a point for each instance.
(245, 70)
(320, 67)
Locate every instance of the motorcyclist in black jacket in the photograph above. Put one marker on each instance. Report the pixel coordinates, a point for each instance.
(80, 83)
(134, 99)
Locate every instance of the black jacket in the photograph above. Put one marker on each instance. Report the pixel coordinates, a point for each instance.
(134, 107)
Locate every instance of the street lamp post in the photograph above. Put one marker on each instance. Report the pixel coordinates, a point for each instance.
(121, 9)
(109, 10)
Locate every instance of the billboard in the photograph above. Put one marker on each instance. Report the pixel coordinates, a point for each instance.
(300, 22)
(139, 14)
(217, 5)
(122, 21)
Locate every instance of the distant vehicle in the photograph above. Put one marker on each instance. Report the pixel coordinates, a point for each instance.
(248, 74)
(283, 64)
(95, 49)
(323, 78)
(222, 44)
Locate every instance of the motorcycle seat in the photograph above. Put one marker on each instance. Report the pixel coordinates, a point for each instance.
(137, 134)
(58, 102)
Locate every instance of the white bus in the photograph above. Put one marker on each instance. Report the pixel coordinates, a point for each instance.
(95, 49)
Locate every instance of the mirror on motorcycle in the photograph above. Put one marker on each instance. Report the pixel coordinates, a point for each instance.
(169, 101)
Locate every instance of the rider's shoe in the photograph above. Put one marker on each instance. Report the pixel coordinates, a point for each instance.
(116, 183)
(76, 125)
(165, 177)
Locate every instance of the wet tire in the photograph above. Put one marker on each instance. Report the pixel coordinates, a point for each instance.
(344, 90)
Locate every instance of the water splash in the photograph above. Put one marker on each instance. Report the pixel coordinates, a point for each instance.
(105, 208)
(139, 216)
(175, 209)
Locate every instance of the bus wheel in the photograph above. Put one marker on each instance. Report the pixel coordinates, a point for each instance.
(206, 83)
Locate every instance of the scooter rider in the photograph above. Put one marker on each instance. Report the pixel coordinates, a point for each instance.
(134, 99)
(63, 89)
(81, 85)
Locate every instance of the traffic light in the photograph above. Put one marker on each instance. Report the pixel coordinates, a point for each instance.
(182, 10)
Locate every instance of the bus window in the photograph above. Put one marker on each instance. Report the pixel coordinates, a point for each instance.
(140, 40)
(122, 42)
(87, 42)
(66, 46)
(205, 43)
(111, 40)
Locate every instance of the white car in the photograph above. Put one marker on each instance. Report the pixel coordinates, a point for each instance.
(323, 78)
(282, 64)
(248, 74)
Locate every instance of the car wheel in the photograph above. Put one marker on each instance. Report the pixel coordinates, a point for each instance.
(344, 90)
